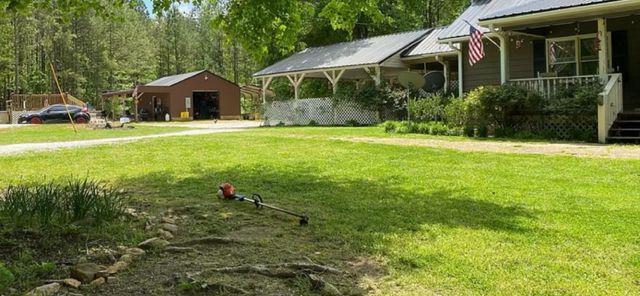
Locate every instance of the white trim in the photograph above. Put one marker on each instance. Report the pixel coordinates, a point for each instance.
(430, 55)
(578, 55)
(319, 71)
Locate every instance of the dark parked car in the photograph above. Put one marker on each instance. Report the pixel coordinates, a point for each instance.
(56, 113)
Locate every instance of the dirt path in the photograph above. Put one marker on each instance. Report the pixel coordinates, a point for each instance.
(38, 147)
(566, 149)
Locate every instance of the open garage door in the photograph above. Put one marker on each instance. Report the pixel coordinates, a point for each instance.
(206, 105)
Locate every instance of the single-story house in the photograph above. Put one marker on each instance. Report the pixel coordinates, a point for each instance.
(190, 96)
(543, 45)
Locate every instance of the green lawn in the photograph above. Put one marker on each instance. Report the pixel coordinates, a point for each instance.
(437, 221)
(64, 132)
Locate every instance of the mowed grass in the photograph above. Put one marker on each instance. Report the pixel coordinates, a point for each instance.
(441, 222)
(65, 132)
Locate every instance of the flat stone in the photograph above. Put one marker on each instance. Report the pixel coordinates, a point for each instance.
(46, 290)
(85, 272)
(117, 267)
(102, 273)
(99, 281)
(73, 283)
(134, 251)
(127, 258)
(165, 234)
(170, 227)
(168, 220)
(153, 243)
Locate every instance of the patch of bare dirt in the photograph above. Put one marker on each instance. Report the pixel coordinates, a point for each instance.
(264, 253)
(564, 149)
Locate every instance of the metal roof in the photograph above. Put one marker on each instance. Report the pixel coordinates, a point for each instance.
(540, 6)
(478, 9)
(429, 46)
(368, 51)
(173, 79)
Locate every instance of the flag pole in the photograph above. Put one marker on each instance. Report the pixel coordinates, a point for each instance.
(488, 38)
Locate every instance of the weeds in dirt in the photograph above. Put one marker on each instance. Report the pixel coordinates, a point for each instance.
(44, 205)
(6, 277)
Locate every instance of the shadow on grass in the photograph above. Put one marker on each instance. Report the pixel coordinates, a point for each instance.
(339, 205)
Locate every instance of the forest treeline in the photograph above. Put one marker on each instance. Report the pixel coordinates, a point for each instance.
(100, 45)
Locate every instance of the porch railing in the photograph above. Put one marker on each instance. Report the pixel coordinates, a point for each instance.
(550, 86)
(609, 106)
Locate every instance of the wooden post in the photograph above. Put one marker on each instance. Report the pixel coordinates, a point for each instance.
(603, 54)
(334, 79)
(504, 58)
(460, 73)
(375, 74)
(445, 66)
(265, 86)
(296, 80)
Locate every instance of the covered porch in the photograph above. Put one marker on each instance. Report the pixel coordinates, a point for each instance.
(578, 46)
(376, 59)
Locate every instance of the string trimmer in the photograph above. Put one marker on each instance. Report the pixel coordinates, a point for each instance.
(227, 191)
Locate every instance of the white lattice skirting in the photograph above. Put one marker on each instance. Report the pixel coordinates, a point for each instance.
(322, 111)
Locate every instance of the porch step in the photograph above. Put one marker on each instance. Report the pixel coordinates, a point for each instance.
(634, 140)
(626, 128)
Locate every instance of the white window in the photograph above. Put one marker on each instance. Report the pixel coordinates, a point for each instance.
(574, 55)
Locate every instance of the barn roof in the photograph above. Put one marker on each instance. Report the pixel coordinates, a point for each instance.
(478, 9)
(173, 79)
(429, 46)
(368, 51)
(540, 6)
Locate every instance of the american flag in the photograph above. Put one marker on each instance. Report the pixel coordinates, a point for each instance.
(476, 46)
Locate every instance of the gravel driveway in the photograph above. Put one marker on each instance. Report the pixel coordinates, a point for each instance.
(201, 129)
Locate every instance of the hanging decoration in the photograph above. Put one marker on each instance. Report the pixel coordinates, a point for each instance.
(552, 53)
(520, 43)
(597, 43)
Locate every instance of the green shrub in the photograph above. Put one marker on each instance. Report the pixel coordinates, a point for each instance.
(313, 123)
(455, 113)
(280, 124)
(427, 128)
(50, 204)
(575, 99)
(428, 109)
(497, 105)
(6, 277)
(367, 96)
(390, 126)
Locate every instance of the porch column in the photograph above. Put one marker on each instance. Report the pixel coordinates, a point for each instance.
(460, 69)
(334, 79)
(265, 85)
(603, 54)
(296, 80)
(504, 58)
(445, 66)
(375, 75)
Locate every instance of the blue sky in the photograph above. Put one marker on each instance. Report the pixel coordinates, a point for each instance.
(184, 7)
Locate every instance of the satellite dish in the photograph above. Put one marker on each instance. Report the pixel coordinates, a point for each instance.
(434, 81)
(411, 80)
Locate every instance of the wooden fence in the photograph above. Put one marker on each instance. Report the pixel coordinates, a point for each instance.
(39, 101)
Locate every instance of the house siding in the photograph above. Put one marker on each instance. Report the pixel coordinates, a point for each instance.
(487, 71)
